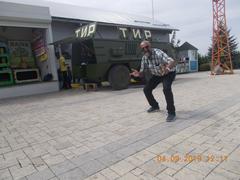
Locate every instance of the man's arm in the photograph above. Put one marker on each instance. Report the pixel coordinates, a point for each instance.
(171, 63)
(137, 73)
(168, 61)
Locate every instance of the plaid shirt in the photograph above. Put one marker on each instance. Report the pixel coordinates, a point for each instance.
(156, 63)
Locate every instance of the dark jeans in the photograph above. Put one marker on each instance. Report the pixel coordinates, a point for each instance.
(167, 90)
(65, 80)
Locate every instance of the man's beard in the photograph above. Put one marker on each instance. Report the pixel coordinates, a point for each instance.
(148, 53)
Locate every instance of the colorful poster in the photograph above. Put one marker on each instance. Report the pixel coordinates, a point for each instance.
(21, 54)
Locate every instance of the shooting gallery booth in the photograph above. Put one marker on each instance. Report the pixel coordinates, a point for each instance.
(111, 45)
(27, 62)
(29, 30)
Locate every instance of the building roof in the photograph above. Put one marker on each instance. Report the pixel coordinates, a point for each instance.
(186, 46)
(67, 11)
(14, 12)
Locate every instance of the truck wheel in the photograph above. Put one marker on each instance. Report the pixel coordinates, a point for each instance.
(118, 77)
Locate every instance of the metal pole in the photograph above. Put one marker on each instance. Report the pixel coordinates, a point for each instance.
(152, 13)
(59, 49)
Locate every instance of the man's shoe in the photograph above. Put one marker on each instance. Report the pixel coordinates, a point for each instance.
(153, 109)
(171, 118)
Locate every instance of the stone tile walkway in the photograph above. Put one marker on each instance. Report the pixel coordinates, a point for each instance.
(108, 135)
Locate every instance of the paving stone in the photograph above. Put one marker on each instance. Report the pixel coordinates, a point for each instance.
(159, 148)
(5, 174)
(54, 178)
(92, 167)
(235, 155)
(189, 174)
(62, 167)
(63, 145)
(169, 172)
(97, 153)
(153, 168)
(19, 154)
(184, 148)
(5, 150)
(128, 176)
(134, 161)
(109, 159)
(73, 174)
(41, 175)
(113, 146)
(82, 159)
(122, 167)
(97, 176)
(146, 176)
(144, 155)
(202, 167)
(137, 171)
(24, 162)
(23, 178)
(68, 154)
(51, 160)
(110, 174)
(34, 152)
(39, 164)
(162, 176)
(233, 166)
(18, 172)
(125, 152)
(5, 163)
(222, 174)
(157, 137)
(81, 150)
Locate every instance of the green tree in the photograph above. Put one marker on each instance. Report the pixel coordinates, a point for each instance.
(203, 62)
(236, 60)
(233, 49)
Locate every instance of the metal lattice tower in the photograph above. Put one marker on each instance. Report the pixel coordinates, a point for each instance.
(221, 54)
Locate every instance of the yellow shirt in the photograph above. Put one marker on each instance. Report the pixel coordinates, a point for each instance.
(63, 66)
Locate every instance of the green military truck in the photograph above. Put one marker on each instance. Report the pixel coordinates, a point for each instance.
(108, 53)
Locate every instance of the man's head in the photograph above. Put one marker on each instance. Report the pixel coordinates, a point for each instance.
(145, 46)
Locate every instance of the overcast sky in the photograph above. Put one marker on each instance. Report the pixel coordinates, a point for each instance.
(192, 17)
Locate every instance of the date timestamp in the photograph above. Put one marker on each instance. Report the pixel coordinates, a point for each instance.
(191, 158)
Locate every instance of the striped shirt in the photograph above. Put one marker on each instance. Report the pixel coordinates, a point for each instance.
(156, 62)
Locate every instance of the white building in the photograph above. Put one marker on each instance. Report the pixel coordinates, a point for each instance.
(188, 58)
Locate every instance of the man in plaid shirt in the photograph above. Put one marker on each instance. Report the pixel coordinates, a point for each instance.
(162, 68)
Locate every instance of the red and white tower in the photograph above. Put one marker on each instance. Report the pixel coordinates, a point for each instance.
(221, 54)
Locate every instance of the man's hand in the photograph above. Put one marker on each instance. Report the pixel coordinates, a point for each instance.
(166, 70)
(135, 73)
(163, 70)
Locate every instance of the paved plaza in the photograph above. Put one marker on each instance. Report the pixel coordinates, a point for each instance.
(107, 135)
